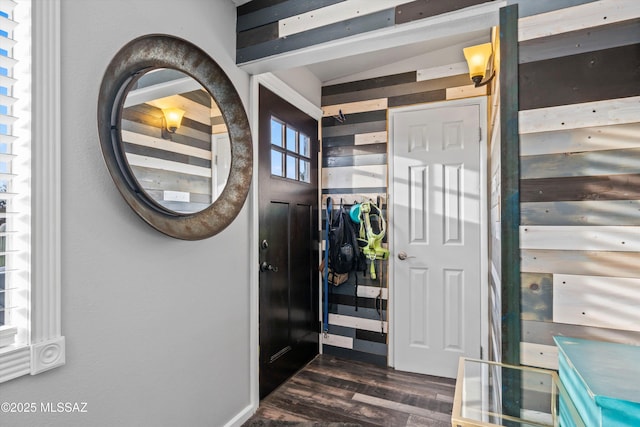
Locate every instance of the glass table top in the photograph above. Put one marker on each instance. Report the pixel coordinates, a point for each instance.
(495, 394)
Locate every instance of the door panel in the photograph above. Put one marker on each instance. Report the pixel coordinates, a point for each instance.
(288, 194)
(436, 221)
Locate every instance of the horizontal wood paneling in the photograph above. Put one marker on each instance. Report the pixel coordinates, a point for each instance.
(576, 18)
(154, 153)
(442, 71)
(580, 174)
(356, 128)
(179, 137)
(370, 138)
(584, 40)
(257, 35)
(604, 162)
(354, 150)
(570, 80)
(466, 91)
(337, 341)
(543, 333)
(401, 89)
(588, 263)
(539, 355)
(351, 198)
(260, 12)
(167, 165)
(616, 137)
(605, 302)
(355, 107)
(354, 118)
(537, 296)
(362, 160)
(587, 114)
(164, 144)
(418, 98)
(355, 177)
(337, 30)
(528, 8)
(608, 187)
(331, 14)
(372, 83)
(420, 9)
(358, 323)
(154, 179)
(584, 238)
(588, 212)
(356, 191)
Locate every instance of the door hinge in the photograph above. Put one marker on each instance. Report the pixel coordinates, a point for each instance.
(479, 134)
(481, 353)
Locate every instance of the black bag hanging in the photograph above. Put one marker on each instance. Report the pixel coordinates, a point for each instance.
(343, 245)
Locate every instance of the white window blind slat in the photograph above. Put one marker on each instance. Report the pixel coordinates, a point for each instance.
(7, 24)
(7, 100)
(7, 62)
(7, 176)
(6, 81)
(7, 139)
(7, 43)
(7, 5)
(7, 120)
(5, 157)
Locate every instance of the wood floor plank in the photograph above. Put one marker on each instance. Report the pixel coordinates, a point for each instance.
(331, 391)
(410, 409)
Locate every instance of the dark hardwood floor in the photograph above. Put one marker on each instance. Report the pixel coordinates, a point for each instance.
(336, 392)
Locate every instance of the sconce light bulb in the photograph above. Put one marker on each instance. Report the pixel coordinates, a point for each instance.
(478, 58)
(173, 118)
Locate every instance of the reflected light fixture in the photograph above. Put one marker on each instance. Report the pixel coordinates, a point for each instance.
(172, 118)
(478, 58)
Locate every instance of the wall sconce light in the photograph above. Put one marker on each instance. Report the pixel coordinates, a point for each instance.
(478, 58)
(172, 118)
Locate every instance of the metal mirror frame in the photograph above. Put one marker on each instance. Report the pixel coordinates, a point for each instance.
(136, 58)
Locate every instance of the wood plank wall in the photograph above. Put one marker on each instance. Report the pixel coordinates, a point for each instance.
(580, 176)
(266, 27)
(354, 161)
(179, 162)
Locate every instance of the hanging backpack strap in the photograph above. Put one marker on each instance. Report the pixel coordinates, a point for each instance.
(355, 291)
(325, 305)
(373, 228)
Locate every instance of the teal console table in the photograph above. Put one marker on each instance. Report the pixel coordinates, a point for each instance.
(602, 381)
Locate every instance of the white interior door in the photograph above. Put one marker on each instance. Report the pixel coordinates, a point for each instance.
(436, 228)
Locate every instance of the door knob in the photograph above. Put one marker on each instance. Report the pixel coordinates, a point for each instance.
(402, 255)
(265, 266)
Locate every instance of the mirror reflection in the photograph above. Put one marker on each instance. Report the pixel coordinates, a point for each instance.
(175, 140)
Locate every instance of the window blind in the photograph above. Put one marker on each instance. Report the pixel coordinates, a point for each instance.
(13, 302)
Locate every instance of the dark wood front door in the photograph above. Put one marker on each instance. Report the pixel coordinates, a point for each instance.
(288, 197)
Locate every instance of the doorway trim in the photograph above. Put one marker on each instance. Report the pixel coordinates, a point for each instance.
(482, 103)
(274, 84)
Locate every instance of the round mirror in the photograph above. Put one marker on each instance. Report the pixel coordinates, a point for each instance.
(175, 140)
(175, 136)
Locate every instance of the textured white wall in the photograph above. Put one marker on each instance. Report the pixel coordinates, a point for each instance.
(157, 329)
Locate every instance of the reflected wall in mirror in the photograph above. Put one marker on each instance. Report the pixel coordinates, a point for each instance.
(183, 166)
(175, 136)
